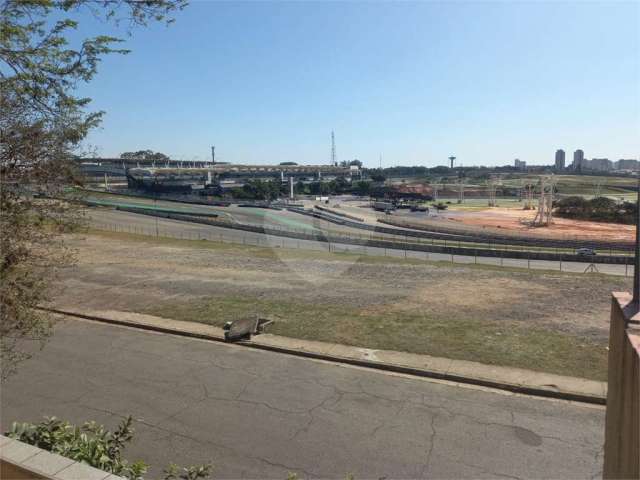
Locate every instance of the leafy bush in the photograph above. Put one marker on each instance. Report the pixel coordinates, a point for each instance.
(95, 445)
(599, 209)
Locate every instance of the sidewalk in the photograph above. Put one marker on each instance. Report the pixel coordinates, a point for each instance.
(505, 378)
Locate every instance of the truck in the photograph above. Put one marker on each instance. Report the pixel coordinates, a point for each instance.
(383, 206)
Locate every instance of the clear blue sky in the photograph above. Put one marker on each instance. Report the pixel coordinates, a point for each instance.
(416, 82)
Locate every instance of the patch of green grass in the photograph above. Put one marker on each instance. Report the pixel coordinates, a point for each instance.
(489, 342)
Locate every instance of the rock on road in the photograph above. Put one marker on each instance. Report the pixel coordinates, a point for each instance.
(258, 414)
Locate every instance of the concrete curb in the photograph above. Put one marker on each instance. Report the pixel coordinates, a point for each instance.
(371, 364)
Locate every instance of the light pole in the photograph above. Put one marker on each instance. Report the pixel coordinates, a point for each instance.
(636, 262)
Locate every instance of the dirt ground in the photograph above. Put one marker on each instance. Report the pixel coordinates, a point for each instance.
(361, 300)
(127, 275)
(511, 219)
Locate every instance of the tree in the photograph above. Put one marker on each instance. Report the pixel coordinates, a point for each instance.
(300, 188)
(378, 176)
(260, 190)
(363, 188)
(149, 155)
(42, 123)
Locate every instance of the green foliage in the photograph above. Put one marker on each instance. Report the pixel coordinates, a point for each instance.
(94, 445)
(148, 155)
(91, 443)
(173, 472)
(599, 209)
(42, 124)
(378, 175)
(362, 188)
(261, 190)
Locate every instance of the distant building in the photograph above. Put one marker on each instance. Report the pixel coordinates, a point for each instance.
(519, 164)
(601, 164)
(578, 160)
(559, 159)
(626, 164)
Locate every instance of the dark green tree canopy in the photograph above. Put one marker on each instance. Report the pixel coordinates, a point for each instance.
(145, 155)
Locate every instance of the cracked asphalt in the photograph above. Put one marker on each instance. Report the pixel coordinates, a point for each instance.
(258, 414)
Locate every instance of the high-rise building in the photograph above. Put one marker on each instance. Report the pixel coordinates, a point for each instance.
(560, 159)
(627, 164)
(578, 160)
(520, 164)
(601, 164)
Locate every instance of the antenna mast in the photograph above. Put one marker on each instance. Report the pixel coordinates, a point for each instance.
(333, 149)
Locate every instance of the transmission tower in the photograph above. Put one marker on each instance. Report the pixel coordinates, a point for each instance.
(598, 189)
(544, 215)
(334, 162)
(520, 190)
(492, 192)
(435, 187)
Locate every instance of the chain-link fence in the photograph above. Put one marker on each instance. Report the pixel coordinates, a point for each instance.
(195, 232)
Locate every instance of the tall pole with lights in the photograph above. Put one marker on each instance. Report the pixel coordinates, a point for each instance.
(636, 263)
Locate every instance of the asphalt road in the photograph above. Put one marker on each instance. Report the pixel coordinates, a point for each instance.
(131, 222)
(261, 414)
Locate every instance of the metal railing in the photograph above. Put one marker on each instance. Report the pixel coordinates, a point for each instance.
(240, 237)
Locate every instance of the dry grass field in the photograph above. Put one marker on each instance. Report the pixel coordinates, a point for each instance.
(547, 321)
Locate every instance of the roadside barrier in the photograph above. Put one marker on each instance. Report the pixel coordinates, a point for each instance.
(340, 214)
(320, 236)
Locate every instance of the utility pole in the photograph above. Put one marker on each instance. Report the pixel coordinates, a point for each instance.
(636, 262)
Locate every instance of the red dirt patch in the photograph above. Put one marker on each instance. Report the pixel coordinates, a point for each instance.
(515, 220)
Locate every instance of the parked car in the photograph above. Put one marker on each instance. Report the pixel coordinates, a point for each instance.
(585, 252)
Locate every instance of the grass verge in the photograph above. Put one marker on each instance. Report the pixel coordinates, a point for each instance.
(493, 343)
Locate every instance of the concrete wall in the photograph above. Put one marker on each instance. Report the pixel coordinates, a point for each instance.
(622, 430)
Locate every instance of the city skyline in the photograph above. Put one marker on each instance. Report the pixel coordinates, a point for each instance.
(269, 82)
